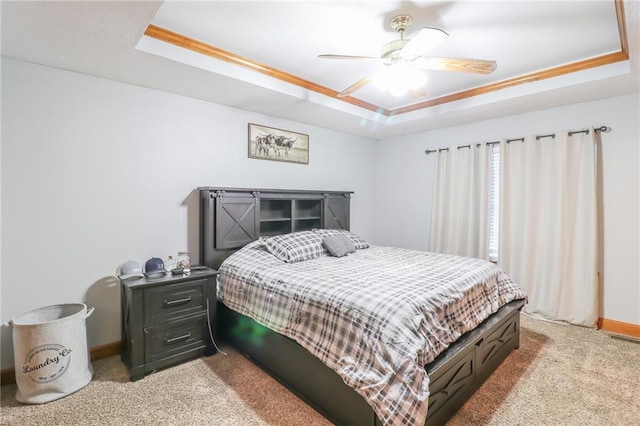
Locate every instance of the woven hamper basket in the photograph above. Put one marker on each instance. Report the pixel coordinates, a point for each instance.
(50, 352)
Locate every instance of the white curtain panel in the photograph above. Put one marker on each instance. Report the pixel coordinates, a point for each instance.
(548, 224)
(460, 215)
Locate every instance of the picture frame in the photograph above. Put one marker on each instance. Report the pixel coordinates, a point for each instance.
(270, 143)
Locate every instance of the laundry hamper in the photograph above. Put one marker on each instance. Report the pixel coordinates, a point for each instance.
(50, 352)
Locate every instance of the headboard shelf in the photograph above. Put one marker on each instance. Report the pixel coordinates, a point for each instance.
(230, 218)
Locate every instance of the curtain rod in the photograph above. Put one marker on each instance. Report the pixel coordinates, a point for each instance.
(603, 129)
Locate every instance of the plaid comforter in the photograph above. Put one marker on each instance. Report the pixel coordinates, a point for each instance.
(376, 317)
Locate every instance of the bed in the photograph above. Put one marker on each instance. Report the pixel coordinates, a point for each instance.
(351, 335)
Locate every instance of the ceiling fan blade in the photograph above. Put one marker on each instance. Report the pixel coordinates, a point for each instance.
(426, 39)
(355, 86)
(478, 66)
(351, 57)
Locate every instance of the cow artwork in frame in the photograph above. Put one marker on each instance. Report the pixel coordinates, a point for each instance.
(268, 143)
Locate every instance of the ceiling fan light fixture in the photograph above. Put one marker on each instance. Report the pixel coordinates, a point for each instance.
(398, 88)
(405, 61)
(425, 40)
(418, 80)
(381, 79)
(399, 78)
(422, 63)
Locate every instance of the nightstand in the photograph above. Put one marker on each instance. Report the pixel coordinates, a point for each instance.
(167, 320)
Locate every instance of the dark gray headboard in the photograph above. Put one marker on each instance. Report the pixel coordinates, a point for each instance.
(230, 218)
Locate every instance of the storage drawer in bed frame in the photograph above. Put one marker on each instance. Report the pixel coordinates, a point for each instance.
(454, 375)
(460, 371)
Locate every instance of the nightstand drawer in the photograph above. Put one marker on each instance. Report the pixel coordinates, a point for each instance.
(175, 300)
(176, 337)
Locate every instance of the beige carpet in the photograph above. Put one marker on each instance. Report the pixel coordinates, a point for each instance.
(561, 375)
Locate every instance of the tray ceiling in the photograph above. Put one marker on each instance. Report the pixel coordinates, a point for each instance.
(263, 56)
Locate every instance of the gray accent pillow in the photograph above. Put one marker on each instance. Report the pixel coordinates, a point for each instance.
(357, 241)
(338, 245)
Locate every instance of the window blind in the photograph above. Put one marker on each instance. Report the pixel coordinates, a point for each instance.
(494, 202)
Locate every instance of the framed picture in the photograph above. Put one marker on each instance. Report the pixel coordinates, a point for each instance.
(267, 143)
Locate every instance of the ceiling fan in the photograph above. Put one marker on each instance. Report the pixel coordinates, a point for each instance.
(408, 53)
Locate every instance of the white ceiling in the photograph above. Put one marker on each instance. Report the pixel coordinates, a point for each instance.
(107, 39)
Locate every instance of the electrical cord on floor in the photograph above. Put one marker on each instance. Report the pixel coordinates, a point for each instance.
(211, 332)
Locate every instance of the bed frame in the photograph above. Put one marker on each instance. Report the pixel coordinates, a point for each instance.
(228, 224)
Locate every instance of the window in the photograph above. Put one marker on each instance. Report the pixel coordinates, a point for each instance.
(494, 202)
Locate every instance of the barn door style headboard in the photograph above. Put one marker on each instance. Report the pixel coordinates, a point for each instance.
(230, 218)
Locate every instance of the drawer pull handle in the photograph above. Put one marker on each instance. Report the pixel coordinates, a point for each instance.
(175, 339)
(177, 301)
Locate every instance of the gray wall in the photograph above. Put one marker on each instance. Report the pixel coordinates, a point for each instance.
(96, 172)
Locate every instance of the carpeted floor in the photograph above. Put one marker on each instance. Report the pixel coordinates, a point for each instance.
(561, 375)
